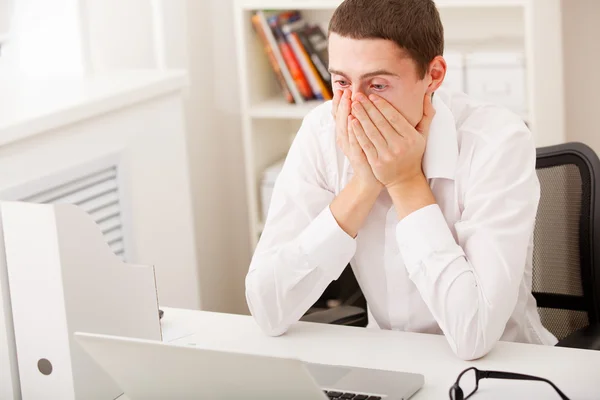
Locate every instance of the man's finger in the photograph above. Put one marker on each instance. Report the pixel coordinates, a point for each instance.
(335, 102)
(368, 127)
(354, 146)
(355, 149)
(341, 123)
(363, 140)
(428, 114)
(379, 120)
(393, 116)
(343, 108)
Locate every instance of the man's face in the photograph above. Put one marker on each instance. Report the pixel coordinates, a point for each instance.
(378, 66)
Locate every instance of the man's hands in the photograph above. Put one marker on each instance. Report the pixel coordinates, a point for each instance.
(347, 141)
(393, 147)
(352, 206)
(384, 148)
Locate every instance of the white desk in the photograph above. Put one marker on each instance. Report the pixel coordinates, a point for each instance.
(575, 372)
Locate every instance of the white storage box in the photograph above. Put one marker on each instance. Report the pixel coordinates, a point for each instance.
(497, 77)
(267, 184)
(455, 73)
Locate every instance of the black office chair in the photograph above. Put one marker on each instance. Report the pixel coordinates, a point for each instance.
(566, 255)
(350, 305)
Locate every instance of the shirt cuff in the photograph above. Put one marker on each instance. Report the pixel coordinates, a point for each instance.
(422, 233)
(326, 245)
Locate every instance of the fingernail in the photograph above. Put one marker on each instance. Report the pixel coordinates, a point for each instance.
(373, 98)
(356, 106)
(360, 97)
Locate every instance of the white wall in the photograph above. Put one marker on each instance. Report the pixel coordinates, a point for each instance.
(45, 38)
(545, 81)
(216, 158)
(120, 34)
(207, 50)
(5, 17)
(582, 60)
(187, 37)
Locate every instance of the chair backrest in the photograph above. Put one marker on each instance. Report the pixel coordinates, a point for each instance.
(566, 255)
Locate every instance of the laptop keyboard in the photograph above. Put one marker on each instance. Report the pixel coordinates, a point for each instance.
(332, 394)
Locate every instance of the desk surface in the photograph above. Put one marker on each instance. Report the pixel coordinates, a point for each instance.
(575, 372)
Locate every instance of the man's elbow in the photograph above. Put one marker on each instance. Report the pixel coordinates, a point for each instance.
(474, 342)
(267, 320)
(470, 353)
(273, 331)
(268, 325)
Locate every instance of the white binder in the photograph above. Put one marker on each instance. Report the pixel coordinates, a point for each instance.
(63, 278)
(9, 375)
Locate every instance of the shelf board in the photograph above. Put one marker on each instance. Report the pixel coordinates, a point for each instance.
(480, 3)
(333, 4)
(278, 108)
(288, 4)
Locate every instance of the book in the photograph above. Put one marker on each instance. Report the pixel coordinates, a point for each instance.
(272, 60)
(290, 59)
(314, 78)
(273, 44)
(320, 68)
(315, 42)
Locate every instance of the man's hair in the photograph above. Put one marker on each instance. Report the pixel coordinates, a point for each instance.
(414, 25)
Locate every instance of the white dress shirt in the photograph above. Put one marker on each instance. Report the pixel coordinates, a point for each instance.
(461, 267)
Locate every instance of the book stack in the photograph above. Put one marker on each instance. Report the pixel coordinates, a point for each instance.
(297, 52)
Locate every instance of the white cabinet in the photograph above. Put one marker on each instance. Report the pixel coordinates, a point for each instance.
(115, 145)
(455, 73)
(498, 78)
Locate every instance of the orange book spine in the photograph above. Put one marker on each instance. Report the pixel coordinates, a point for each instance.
(273, 61)
(296, 71)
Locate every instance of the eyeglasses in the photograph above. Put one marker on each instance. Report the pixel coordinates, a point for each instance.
(471, 377)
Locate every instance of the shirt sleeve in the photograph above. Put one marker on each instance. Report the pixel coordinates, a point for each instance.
(471, 283)
(302, 248)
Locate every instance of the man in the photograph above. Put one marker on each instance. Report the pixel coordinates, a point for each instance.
(432, 198)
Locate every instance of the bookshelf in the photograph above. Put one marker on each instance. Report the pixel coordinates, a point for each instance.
(278, 108)
(269, 122)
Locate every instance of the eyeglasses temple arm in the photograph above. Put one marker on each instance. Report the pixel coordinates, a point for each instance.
(515, 376)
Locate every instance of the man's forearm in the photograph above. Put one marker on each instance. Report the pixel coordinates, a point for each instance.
(352, 206)
(410, 196)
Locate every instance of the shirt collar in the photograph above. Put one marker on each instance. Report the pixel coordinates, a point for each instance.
(441, 154)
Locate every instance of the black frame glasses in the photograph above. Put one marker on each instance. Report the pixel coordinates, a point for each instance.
(456, 393)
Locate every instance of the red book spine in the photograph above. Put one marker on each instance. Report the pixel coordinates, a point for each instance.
(291, 61)
(295, 70)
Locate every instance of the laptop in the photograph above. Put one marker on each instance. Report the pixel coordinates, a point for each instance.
(146, 369)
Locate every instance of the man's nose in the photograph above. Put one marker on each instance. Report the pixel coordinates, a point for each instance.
(356, 89)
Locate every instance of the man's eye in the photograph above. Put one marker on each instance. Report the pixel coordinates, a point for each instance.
(379, 87)
(342, 83)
